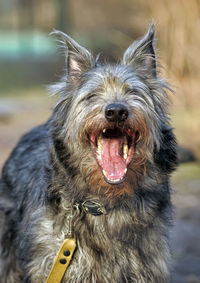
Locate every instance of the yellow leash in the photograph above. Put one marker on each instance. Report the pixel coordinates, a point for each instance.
(66, 251)
(62, 261)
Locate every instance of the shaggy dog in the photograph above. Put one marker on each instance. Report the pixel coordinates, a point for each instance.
(106, 152)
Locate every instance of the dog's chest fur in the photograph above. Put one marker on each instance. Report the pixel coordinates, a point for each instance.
(106, 248)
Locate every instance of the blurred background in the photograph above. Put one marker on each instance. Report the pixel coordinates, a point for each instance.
(30, 60)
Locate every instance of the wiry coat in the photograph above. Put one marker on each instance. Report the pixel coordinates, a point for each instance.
(53, 166)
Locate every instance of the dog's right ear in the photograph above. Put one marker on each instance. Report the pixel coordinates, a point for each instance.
(78, 59)
(141, 54)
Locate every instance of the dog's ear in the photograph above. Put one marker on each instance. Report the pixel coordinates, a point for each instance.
(78, 59)
(141, 55)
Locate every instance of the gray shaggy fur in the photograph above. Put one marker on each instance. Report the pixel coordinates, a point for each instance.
(54, 165)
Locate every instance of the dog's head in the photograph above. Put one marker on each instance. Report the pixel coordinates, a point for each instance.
(111, 116)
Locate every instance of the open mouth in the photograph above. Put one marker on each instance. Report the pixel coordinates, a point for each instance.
(113, 150)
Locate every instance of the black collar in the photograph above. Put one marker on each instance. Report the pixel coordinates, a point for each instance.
(92, 207)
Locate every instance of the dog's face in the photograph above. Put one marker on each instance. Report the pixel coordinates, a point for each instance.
(113, 114)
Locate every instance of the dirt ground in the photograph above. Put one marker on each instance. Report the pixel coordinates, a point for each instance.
(18, 115)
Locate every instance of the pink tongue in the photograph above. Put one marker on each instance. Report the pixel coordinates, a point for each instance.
(112, 163)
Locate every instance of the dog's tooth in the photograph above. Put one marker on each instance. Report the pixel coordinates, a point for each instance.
(125, 151)
(104, 172)
(99, 146)
(125, 148)
(104, 130)
(125, 170)
(125, 156)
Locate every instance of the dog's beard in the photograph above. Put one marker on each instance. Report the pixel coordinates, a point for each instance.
(116, 155)
(98, 184)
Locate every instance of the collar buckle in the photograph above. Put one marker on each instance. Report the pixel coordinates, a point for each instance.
(93, 207)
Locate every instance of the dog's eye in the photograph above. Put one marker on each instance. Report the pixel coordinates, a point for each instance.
(90, 96)
(132, 91)
(128, 90)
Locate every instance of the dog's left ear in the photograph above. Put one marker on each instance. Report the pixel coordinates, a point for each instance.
(141, 55)
(78, 59)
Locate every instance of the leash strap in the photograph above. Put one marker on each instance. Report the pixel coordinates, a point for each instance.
(62, 261)
(66, 251)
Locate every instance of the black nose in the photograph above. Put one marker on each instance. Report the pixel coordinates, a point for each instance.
(116, 112)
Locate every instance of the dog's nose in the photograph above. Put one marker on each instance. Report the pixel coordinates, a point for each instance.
(116, 112)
